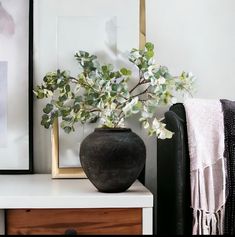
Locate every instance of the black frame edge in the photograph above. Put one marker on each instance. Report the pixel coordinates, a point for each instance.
(30, 100)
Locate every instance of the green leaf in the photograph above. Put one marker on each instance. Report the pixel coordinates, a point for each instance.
(48, 108)
(45, 121)
(110, 67)
(78, 99)
(94, 119)
(105, 68)
(118, 75)
(138, 106)
(67, 129)
(149, 54)
(67, 88)
(40, 95)
(83, 53)
(67, 119)
(39, 92)
(112, 74)
(45, 117)
(47, 125)
(65, 111)
(114, 87)
(125, 72)
(149, 46)
(76, 108)
(55, 114)
(63, 97)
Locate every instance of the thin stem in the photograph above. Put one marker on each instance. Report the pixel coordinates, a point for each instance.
(135, 87)
(188, 91)
(94, 110)
(121, 117)
(143, 92)
(139, 82)
(175, 77)
(74, 79)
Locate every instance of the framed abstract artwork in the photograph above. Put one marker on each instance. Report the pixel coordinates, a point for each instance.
(16, 129)
(106, 28)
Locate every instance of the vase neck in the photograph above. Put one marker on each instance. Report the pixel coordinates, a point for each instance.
(112, 130)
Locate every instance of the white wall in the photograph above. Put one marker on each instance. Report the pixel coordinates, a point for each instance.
(196, 36)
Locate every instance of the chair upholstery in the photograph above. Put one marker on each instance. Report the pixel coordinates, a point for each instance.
(174, 215)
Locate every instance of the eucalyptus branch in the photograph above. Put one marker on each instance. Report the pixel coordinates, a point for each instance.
(96, 92)
(140, 82)
(188, 91)
(74, 79)
(94, 110)
(120, 118)
(141, 93)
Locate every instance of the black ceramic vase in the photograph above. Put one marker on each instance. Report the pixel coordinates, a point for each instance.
(112, 159)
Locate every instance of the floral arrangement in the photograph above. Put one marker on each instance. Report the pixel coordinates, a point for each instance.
(101, 94)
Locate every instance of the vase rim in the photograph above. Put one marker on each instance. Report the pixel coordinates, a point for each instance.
(112, 130)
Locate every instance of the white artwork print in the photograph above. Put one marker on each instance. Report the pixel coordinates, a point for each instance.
(3, 104)
(106, 28)
(14, 112)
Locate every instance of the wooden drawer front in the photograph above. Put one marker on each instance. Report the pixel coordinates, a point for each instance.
(74, 221)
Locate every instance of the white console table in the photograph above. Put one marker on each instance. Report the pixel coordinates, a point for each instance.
(40, 192)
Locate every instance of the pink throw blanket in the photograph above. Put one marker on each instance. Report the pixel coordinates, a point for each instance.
(205, 128)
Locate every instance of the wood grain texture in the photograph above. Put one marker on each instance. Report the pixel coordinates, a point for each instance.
(2, 222)
(142, 35)
(83, 221)
(61, 173)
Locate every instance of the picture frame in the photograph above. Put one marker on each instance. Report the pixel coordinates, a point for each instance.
(118, 31)
(16, 81)
(58, 172)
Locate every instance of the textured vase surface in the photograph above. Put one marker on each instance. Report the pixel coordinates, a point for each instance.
(112, 159)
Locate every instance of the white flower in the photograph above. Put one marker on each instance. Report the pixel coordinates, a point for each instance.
(164, 133)
(151, 61)
(161, 80)
(113, 106)
(190, 74)
(137, 62)
(160, 130)
(145, 114)
(147, 75)
(107, 112)
(102, 120)
(100, 105)
(90, 81)
(146, 124)
(154, 81)
(128, 108)
(121, 123)
(101, 82)
(136, 55)
(156, 124)
(121, 100)
(134, 101)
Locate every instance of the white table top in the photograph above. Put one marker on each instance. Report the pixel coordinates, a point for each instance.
(41, 191)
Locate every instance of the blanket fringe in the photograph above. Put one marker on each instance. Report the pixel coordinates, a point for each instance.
(205, 223)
